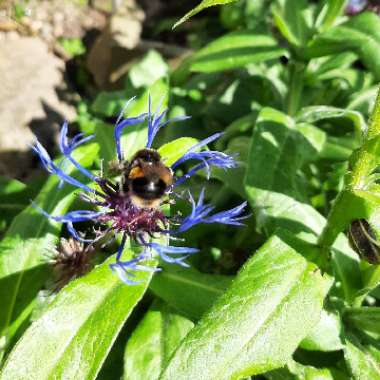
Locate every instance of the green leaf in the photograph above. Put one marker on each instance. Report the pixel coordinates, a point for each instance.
(236, 50)
(293, 19)
(313, 114)
(204, 4)
(278, 149)
(24, 248)
(329, 13)
(76, 333)
(362, 362)
(325, 335)
(104, 136)
(153, 342)
(190, 292)
(14, 197)
(364, 318)
(175, 149)
(109, 103)
(296, 371)
(151, 68)
(256, 325)
(72, 46)
(359, 34)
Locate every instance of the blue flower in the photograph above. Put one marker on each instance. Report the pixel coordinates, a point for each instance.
(207, 159)
(155, 122)
(201, 214)
(52, 168)
(113, 210)
(171, 254)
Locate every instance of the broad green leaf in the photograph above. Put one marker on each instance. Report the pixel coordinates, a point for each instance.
(236, 50)
(278, 149)
(204, 4)
(10, 189)
(364, 318)
(256, 325)
(234, 178)
(325, 335)
(153, 342)
(363, 101)
(190, 292)
(297, 371)
(151, 68)
(293, 19)
(14, 197)
(363, 364)
(109, 103)
(104, 135)
(360, 34)
(312, 114)
(174, 150)
(76, 333)
(26, 245)
(329, 13)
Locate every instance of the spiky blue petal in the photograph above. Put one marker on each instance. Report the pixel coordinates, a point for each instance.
(72, 217)
(52, 168)
(200, 213)
(121, 124)
(67, 147)
(155, 121)
(125, 269)
(208, 158)
(167, 252)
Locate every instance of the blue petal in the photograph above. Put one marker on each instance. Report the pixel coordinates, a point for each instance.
(208, 158)
(67, 148)
(72, 216)
(200, 214)
(52, 168)
(125, 269)
(122, 123)
(155, 121)
(167, 252)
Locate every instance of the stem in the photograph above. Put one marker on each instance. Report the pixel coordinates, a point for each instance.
(363, 165)
(296, 86)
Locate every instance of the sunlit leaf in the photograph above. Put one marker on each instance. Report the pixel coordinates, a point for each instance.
(153, 342)
(25, 249)
(203, 5)
(256, 325)
(76, 332)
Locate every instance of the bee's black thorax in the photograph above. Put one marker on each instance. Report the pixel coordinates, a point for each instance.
(146, 178)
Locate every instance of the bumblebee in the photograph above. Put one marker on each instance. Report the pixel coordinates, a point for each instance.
(146, 179)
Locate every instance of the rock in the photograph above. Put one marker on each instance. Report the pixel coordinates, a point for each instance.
(116, 45)
(32, 84)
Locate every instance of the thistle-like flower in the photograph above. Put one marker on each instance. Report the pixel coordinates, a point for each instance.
(131, 205)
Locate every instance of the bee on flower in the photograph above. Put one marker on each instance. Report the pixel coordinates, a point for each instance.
(131, 206)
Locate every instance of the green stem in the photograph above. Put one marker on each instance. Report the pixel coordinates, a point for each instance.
(363, 164)
(295, 88)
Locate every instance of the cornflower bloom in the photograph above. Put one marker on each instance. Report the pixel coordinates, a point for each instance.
(131, 205)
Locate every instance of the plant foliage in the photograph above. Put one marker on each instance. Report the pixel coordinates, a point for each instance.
(295, 294)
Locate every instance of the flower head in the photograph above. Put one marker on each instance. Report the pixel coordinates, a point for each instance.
(72, 259)
(131, 205)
